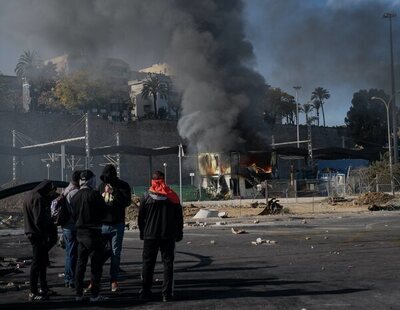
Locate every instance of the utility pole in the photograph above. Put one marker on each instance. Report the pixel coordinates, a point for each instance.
(297, 88)
(14, 158)
(390, 15)
(87, 142)
(118, 156)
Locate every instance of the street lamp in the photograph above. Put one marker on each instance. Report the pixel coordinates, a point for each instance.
(165, 172)
(297, 88)
(48, 171)
(387, 105)
(390, 15)
(191, 174)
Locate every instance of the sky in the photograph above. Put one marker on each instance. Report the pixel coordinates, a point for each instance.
(341, 45)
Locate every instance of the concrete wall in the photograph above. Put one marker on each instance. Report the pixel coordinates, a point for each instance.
(134, 169)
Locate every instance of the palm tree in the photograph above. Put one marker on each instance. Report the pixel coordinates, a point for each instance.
(28, 69)
(307, 109)
(153, 86)
(319, 95)
(27, 66)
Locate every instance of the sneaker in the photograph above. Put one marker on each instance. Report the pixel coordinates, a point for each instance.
(69, 285)
(79, 298)
(98, 298)
(36, 297)
(88, 289)
(47, 292)
(167, 298)
(144, 296)
(115, 287)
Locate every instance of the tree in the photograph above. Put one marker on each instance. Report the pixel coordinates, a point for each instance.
(40, 77)
(278, 105)
(319, 95)
(366, 119)
(307, 108)
(78, 90)
(155, 87)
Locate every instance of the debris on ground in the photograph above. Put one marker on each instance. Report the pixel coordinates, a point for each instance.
(335, 200)
(222, 214)
(206, 213)
(12, 286)
(190, 211)
(372, 198)
(238, 231)
(273, 207)
(262, 241)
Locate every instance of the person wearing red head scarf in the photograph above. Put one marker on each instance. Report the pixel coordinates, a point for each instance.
(160, 222)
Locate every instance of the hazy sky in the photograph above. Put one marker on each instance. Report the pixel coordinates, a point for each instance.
(341, 45)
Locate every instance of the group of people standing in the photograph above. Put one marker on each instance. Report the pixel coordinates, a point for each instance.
(95, 230)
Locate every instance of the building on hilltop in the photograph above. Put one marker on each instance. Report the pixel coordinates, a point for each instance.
(141, 107)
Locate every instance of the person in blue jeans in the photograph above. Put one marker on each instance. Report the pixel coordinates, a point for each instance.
(69, 233)
(117, 196)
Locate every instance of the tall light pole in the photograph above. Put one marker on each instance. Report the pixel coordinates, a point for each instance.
(297, 88)
(390, 15)
(387, 105)
(48, 171)
(165, 172)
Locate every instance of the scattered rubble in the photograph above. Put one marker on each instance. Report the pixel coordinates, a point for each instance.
(238, 231)
(206, 213)
(372, 198)
(262, 241)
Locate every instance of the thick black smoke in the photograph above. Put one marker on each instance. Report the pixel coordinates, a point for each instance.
(221, 95)
(136, 31)
(203, 41)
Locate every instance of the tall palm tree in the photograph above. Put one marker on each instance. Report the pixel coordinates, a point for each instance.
(28, 69)
(319, 95)
(307, 109)
(28, 65)
(153, 86)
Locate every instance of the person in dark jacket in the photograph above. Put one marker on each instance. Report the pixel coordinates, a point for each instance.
(69, 233)
(38, 229)
(117, 195)
(88, 213)
(160, 222)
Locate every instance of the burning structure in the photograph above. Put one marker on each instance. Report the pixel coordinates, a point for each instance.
(235, 173)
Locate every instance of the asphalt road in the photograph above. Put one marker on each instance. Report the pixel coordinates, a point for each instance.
(340, 262)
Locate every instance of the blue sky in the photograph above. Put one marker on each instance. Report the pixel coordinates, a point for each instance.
(341, 45)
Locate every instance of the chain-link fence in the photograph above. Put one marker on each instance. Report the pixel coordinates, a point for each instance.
(333, 185)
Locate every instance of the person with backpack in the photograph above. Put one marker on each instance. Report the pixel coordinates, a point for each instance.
(88, 212)
(69, 232)
(38, 228)
(160, 222)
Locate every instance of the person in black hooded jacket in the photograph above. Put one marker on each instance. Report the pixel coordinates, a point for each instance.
(117, 195)
(88, 212)
(38, 229)
(160, 222)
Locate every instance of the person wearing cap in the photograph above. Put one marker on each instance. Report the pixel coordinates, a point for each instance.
(117, 195)
(69, 233)
(38, 228)
(160, 222)
(88, 213)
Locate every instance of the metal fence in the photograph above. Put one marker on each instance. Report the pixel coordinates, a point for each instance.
(332, 186)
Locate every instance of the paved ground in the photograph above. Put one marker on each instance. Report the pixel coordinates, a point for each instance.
(340, 262)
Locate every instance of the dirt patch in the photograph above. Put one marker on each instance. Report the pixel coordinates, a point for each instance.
(373, 198)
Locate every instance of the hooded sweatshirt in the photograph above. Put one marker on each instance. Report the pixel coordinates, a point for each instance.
(36, 207)
(70, 192)
(118, 200)
(88, 206)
